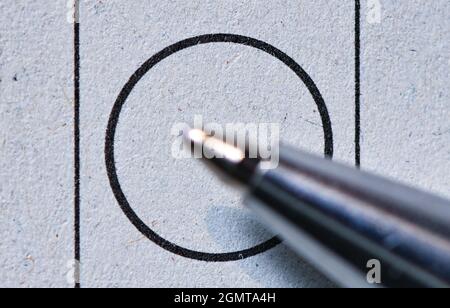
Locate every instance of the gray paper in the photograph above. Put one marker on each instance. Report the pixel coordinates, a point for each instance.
(177, 218)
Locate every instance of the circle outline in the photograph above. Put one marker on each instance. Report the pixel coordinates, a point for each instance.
(126, 91)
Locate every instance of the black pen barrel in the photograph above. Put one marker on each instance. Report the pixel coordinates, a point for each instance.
(348, 223)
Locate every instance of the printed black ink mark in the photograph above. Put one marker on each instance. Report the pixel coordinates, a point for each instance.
(76, 120)
(128, 88)
(358, 83)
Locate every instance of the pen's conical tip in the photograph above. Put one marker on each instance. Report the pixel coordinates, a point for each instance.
(211, 147)
(226, 157)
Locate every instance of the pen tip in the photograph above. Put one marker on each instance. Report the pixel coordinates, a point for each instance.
(227, 158)
(210, 147)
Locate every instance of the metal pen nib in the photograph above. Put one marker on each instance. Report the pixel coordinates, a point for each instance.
(227, 158)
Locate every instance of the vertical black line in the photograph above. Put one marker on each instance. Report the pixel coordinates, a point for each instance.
(358, 83)
(77, 144)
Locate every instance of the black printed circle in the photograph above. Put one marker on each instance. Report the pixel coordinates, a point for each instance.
(128, 88)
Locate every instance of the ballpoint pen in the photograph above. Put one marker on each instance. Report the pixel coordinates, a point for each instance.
(339, 218)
